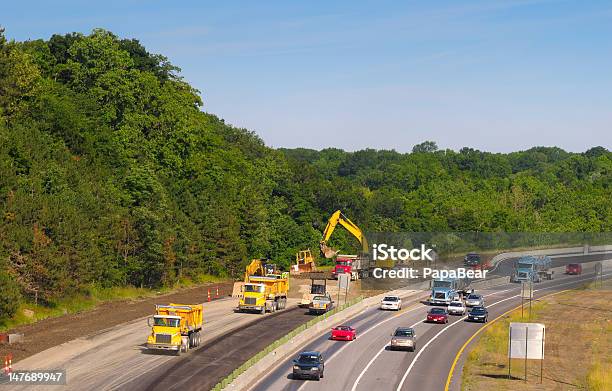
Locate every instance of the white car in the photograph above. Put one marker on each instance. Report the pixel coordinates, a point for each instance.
(391, 303)
(456, 308)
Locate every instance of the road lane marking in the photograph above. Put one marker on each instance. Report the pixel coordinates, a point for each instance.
(399, 387)
(373, 359)
(400, 313)
(414, 325)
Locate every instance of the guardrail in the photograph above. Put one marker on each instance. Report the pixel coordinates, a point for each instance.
(279, 342)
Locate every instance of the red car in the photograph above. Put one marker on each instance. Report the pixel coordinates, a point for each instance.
(343, 333)
(437, 315)
(573, 268)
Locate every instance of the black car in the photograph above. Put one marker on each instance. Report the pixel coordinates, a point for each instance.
(308, 365)
(478, 314)
(472, 259)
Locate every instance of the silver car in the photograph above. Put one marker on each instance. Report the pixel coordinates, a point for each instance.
(403, 338)
(474, 300)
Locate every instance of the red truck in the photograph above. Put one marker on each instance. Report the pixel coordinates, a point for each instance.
(351, 264)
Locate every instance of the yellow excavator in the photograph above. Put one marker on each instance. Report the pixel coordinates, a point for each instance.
(339, 217)
(354, 265)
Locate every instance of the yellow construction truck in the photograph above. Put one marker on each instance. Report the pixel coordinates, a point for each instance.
(264, 289)
(175, 327)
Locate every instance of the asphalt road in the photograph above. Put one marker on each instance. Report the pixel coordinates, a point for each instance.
(112, 358)
(367, 364)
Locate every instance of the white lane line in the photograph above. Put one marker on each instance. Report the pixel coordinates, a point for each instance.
(337, 352)
(374, 359)
(414, 325)
(399, 387)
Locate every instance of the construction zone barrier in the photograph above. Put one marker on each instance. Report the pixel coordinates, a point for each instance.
(8, 364)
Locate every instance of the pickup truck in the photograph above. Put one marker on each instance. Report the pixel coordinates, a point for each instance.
(320, 305)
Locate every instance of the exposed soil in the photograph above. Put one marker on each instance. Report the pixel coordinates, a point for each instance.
(51, 332)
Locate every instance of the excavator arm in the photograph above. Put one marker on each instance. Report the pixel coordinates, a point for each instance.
(338, 218)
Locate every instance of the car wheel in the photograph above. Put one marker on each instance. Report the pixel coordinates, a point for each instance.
(318, 377)
(322, 374)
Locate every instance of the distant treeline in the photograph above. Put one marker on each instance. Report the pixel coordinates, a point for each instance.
(111, 174)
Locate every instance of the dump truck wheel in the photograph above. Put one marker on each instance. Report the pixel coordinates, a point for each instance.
(263, 310)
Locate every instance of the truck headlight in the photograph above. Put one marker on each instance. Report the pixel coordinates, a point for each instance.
(296, 367)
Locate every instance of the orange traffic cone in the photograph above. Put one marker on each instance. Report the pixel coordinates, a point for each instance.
(10, 362)
(209, 295)
(217, 295)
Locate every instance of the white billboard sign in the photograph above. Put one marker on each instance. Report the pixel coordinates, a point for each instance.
(343, 281)
(527, 340)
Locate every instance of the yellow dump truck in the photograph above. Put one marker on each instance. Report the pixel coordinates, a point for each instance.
(175, 327)
(264, 290)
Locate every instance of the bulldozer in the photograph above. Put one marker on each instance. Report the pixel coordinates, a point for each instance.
(304, 263)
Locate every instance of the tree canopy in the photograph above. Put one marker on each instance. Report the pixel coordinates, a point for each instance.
(111, 173)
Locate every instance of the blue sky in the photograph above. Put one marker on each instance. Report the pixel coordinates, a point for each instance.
(493, 75)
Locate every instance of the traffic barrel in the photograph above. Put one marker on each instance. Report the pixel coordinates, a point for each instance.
(217, 295)
(10, 362)
(209, 295)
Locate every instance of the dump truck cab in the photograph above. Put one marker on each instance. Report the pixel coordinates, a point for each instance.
(265, 293)
(175, 327)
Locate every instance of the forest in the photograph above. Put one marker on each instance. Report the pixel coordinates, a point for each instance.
(112, 173)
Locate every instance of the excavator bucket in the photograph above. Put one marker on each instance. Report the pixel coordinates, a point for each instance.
(327, 251)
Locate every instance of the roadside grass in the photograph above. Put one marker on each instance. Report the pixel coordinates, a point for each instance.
(90, 297)
(567, 318)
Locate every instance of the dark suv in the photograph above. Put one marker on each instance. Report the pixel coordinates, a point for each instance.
(308, 365)
(472, 259)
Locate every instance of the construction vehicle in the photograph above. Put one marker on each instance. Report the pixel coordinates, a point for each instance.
(532, 269)
(175, 327)
(265, 288)
(339, 217)
(317, 287)
(356, 265)
(304, 263)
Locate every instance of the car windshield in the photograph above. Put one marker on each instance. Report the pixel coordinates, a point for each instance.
(391, 298)
(456, 304)
(343, 328)
(342, 263)
(254, 288)
(478, 310)
(308, 358)
(437, 311)
(167, 322)
(473, 297)
(320, 298)
(573, 265)
(404, 333)
(442, 284)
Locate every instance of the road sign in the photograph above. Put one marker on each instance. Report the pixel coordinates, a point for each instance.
(527, 290)
(527, 340)
(344, 281)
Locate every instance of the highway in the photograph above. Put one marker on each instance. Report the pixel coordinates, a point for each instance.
(368, 364)
(116, 359)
